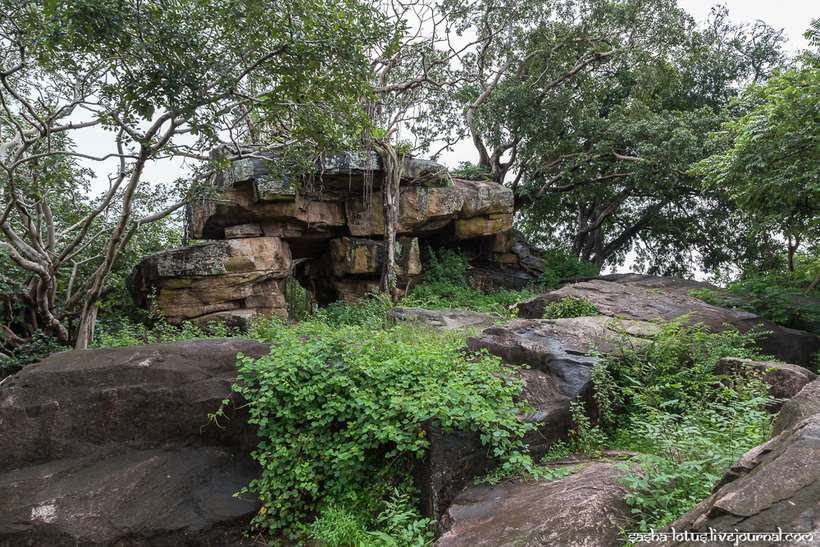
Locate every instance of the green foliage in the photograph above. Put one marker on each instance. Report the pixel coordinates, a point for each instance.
(663, 398)
(774, 297)
(369, 312)
(570, 306)
(532, 473)
(36, 349)
(562, 265)
(707, 295)
(769, 159)
(336, 407)
(467, 170)
(399, 524)
(444, 285)
(135, 334)
(690, 452)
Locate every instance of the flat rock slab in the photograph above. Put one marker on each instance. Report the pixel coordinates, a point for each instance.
(615, 299)
(141, 397)
(441, 319)
(136, 498)
(585, 509)
(113, 447)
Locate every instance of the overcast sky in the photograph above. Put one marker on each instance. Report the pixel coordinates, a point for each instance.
(793, 16)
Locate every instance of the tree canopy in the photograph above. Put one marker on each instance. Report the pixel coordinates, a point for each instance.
(163, 78)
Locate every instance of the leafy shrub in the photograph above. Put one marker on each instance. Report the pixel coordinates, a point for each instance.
(444, 285)
(562, 265)
(771, 297)
(691, 451)
(336, 408)
(664, 398)
(707, 295)
(467, 170)
(38, 348)
(369, 312)
(570, 306)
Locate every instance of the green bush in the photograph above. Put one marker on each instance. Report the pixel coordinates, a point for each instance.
(444, 285)
(467, 170)
(663, 398)
(339, 410)
(773, 297)
(35, 350)
(562, 265)
(570, 306)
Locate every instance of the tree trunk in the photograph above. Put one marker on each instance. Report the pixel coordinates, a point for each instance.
(85, 326)
(390, 205)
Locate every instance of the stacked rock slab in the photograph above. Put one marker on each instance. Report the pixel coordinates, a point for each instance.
(325, 229)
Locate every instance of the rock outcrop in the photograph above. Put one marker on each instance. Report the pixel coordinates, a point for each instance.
(113, 446)
(628, 301)
(325, 229)
(785, 380)
(773, 487)
(583, 509)
(560, 367)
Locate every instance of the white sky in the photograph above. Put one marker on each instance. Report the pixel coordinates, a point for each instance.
(793, 16)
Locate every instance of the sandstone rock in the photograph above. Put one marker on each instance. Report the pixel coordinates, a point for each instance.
(785, 380)
(483, 198)
(803, 405)
(631, 302)
(557, 352)
(482, 226)
(584, 509)
(243, 230)
(113, 446)
(149, 497)
(421, 210)
(451, 462)
(351, 256)
(214, 276)
(775, 486)
(238, 205)
(441, 319)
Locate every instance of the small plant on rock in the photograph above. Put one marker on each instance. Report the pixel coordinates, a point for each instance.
(570, 306)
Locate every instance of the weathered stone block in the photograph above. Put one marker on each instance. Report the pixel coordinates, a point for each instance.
(483, 198)
(350, 256)
(482, 226)
(243, 230)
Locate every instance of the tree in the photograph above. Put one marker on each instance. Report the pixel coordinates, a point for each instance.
(163, 78)
(606, 166)
(771, 162)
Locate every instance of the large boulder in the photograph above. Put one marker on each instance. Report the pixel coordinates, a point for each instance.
(773, 487)
(785, 380)
(614, 299)
(201, 282)
(560, 367)
(114, 446)
(583, 509)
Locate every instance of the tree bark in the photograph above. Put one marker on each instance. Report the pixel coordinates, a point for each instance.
(390, 204)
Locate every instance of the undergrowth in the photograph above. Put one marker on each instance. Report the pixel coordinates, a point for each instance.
(661, 397)
(343, 412)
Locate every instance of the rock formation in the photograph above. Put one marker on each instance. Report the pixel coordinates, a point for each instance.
(325, 229)
(583, 509)
(113, 447)
(634, 298)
